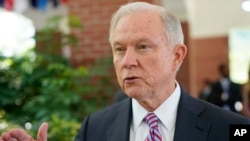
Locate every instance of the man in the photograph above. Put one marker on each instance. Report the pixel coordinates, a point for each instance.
(225, 93)
(148, 49)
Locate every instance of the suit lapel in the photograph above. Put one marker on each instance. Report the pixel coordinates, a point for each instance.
(119, 129)
(189, 125)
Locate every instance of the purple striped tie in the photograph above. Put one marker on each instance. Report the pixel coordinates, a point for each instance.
(154, 133)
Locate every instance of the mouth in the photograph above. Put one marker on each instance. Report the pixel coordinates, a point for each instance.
(131, 79)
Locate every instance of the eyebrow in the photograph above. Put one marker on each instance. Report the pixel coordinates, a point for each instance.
(117, 43)
(136, 41)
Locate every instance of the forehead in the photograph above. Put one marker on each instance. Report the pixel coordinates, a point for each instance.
(142, 18)
(138, 25)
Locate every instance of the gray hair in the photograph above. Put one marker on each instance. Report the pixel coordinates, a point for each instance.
(172, 24)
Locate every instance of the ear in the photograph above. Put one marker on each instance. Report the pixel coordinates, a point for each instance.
(180, 52)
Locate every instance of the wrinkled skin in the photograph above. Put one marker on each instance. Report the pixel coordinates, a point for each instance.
(144, 62)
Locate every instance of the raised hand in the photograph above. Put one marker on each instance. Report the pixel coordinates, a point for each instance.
(21, 135)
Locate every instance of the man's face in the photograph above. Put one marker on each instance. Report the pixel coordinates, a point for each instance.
(144, 63)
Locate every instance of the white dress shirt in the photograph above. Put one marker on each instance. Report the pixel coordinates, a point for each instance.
(166, 113)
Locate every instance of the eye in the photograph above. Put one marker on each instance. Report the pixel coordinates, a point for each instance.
(143, 46)
(119, 50)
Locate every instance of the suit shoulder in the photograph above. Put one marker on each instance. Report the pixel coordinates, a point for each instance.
(217, 114)
(210, 112)
(111, 110)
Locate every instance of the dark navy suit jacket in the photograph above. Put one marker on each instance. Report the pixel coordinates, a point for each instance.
(196, 121)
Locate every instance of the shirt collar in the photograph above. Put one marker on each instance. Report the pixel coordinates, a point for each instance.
(166, 112)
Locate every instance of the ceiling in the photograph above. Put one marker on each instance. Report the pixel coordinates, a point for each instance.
(206, 18)
(209, 18)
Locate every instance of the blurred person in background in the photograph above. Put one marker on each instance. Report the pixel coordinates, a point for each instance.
(205, 91)
(225, 93)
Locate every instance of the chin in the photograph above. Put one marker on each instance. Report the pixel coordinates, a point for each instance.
(138, 95)
(133, 93)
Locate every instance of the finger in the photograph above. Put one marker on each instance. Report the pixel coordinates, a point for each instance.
(20, 135)
(11, 136)
(42, 132)
(5, 136)
(12, 139)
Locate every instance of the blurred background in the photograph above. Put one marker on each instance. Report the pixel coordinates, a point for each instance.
(56, 65)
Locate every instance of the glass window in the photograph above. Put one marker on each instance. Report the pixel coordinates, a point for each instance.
(239, 54)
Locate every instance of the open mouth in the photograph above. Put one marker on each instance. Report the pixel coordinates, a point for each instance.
(130, 79)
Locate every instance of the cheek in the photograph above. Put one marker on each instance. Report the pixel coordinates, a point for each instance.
(161, 67)
(155, 68)
(163, 61)
(117, 70)
(168, 62)
(116, 66)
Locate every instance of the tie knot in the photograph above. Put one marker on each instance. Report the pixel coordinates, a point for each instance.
(152, 120)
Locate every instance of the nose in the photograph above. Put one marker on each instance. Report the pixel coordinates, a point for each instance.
(130, 59)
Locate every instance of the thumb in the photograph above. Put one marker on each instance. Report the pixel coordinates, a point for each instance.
(42, 132)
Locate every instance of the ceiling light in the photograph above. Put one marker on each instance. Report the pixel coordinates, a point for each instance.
(246, 5)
